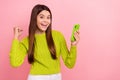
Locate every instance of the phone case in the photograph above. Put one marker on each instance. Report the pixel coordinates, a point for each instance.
(75, 28)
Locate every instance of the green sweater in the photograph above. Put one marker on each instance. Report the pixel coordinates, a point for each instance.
(44, 64)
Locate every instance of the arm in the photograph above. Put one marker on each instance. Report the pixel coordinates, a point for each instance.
(69, 57)
(18, 52)
(19, 49)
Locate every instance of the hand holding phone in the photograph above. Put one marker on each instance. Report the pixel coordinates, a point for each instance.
(75, 28)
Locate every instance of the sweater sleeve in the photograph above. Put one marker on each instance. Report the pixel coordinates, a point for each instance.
(18, 52)
(69, 57)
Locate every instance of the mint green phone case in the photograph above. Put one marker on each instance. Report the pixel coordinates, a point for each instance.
(75, 28)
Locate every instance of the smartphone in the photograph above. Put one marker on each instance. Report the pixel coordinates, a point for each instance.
(75, 28)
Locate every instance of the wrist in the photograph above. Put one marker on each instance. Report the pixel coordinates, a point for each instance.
(15, 37)
(73, 44)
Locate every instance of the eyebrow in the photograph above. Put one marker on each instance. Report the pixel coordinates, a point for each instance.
(43, 15)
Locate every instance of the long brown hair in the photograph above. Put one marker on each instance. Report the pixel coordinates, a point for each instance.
(32, 29)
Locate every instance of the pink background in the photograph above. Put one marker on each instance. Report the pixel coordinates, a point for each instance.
(98, 55)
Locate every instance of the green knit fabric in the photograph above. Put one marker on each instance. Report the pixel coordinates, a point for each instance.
(44, 64)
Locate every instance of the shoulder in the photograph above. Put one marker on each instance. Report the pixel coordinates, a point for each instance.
(56, 33)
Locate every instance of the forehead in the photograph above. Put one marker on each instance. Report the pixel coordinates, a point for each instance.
(44, 12)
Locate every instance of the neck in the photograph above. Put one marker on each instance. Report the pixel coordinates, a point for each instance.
(39, 32)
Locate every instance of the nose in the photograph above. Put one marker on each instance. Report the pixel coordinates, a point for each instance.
(45, 21)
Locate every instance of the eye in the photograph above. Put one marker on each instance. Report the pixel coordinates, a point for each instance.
(48, 17)
(41, 17)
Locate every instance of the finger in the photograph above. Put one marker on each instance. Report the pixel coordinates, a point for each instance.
(77, 37)
(20, 30)
(78, 32)
(16, 28)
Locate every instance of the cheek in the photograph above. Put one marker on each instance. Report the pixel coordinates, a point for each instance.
(38, 20)
(38, 23)
(49, 21)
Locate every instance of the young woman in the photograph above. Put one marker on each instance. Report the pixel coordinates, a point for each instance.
(43, 46)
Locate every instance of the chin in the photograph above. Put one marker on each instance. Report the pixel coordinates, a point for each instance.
(43, 30)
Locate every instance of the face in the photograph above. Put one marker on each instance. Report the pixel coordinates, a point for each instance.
(43, 20)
